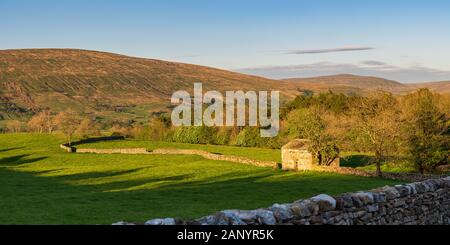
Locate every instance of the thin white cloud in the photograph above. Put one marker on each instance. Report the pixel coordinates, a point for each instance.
(373, 63)
(331, 50)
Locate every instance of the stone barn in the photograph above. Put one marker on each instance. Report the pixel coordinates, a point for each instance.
(296, 155)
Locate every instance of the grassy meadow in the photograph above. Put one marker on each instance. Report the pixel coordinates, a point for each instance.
(363, 161)
(41, 184)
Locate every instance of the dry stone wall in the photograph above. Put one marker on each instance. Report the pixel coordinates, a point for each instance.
(205, 154)
(419, 203)
(216, 157)
(114, 151)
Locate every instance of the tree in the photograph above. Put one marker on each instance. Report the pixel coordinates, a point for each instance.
(13, 126)
(427, 129)
(158, 128)
(68, 122)
(308, 124)
(87, 128)
(377, 124)
(250, 137)
(42, 122)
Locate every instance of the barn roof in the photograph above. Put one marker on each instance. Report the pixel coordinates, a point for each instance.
(298, 144)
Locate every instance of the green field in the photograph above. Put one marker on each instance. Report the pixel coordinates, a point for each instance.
(41, 184)
(252, 153)
(363, 161)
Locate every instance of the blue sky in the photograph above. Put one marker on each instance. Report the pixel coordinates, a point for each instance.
(404, 40)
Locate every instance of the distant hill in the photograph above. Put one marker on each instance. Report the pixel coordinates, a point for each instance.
(347, 83)
(117, 87)
(440, 87)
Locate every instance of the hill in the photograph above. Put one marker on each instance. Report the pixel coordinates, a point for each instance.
(116, 87)
(440, 87)
(104, 84)
(348, 84)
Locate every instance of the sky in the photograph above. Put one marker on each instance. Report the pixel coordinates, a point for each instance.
(403, 40)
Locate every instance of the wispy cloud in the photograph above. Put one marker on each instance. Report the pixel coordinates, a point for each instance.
(373, 63)
(331, 50)
(413, 73)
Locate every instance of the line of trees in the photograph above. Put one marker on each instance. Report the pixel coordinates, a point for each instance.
(416, 124)
(68, 122)
(380, 123)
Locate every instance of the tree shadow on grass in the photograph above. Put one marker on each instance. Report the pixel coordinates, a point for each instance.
(363, 160)
(53, 200)
(113, 180)
(11, 149)
(354, 161)
(19, 160)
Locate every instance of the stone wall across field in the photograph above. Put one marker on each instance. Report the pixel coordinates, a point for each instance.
(420, 203)
(205, 154)
(114, 151)
(217, 157)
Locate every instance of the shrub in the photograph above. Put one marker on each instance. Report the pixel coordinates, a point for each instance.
(249, 137)
(140, 132)
(223, 136)
(118, 130)
(195, 135)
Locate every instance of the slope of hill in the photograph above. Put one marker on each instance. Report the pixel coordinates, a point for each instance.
(347, 83)
(97, 82)
(118, 87)
(440, 87)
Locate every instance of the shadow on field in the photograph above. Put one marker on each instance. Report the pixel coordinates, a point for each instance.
(19, 160)
(10, 149)
(98, 139)
(56, 200)
(355, 161)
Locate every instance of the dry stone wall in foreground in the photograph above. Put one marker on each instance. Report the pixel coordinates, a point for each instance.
(420, 203)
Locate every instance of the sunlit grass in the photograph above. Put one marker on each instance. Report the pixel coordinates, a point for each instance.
(253, 153)
(41, 184)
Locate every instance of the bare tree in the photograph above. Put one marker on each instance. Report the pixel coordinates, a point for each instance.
(377, 120)
(42, 122)
(13, 126)
(68, 122)
(87, 128)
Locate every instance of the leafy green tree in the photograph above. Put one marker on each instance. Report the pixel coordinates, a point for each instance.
(249, 137)
(195, 135)
(427, 130)
(308, 124)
